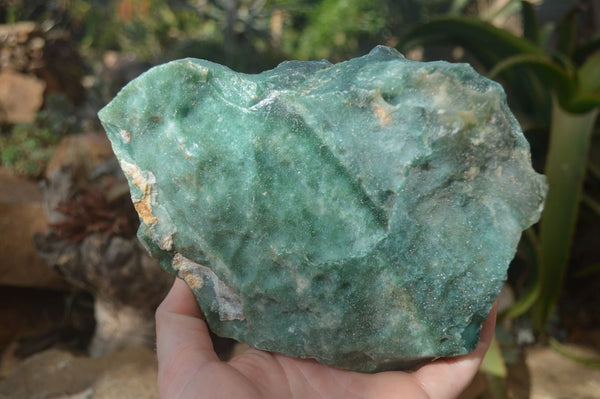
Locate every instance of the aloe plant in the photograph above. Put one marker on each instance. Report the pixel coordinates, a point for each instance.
(558, 86)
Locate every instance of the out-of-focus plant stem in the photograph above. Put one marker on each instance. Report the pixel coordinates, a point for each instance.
(565, 169)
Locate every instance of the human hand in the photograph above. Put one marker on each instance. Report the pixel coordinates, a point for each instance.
(188, 366)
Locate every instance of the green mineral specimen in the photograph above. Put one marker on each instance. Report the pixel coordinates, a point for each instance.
(363, 213)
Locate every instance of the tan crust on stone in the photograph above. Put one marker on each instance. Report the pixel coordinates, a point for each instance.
(144, 205)
(382, 109)
(125, 135)
(145, 211)
(193, 281)
(229, 303)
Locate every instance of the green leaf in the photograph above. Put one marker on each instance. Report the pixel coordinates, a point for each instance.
(527, 300)
(10, 155)
(489, 45)
(588, 75)
(531, 31)
(588, 361)
(588, 85)
(588, 48)
(493, 362)
(500, 9)
(553, 75)
(584, 103)
(458, 6)
(496, 387)
(567, 34)
(588, 271)
(485, 41)
(591, 203)
(565, 169)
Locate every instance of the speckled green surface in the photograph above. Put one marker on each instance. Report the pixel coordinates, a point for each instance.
(362, 213)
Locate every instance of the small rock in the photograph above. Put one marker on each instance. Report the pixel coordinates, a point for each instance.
(82, 153)
(21, 96)
(91, 241)
(72, 167)
(22, 215)
(119, 326)
(50, 55)
(130, 373)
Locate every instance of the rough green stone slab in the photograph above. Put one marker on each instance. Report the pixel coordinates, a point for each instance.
(363, 214)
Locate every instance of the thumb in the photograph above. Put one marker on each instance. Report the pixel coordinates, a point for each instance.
(447, 378)
(183, 344)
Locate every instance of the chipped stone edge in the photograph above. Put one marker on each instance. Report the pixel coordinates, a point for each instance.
(162, 226)
(146, 182)
(229, 303)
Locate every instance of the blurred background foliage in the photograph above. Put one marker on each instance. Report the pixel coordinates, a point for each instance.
(545, 53)
(247, 35)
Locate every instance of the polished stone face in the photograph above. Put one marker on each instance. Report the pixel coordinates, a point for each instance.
(363, 214)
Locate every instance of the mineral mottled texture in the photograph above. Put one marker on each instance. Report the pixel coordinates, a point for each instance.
(363, 213)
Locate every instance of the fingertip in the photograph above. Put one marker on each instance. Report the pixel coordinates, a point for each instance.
(180, 300)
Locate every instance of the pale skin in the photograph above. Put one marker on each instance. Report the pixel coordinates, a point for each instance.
(188, 366)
